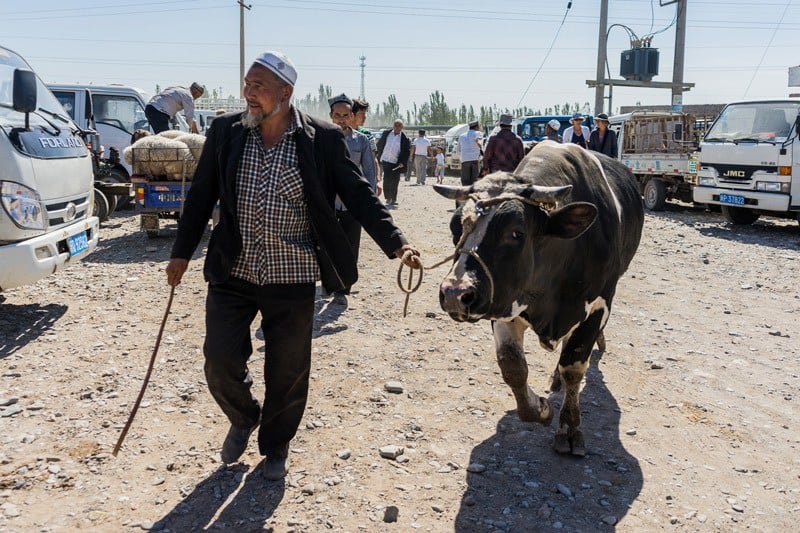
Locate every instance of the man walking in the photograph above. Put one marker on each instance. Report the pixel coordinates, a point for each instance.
(420, 151)
(165, 105)
(470, 148)
(504, 150)
(360, 154)
(275, 172)
(393, 150)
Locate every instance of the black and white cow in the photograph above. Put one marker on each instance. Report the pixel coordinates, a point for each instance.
(543, 248)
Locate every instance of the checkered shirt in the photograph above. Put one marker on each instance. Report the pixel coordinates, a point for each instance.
(277, 241)
(504, 151)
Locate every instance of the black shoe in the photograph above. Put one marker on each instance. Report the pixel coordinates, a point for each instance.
(235, 443)
(276, 465)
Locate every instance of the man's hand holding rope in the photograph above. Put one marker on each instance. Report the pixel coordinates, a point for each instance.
(409, 255)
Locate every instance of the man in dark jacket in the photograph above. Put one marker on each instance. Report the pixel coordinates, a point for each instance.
(504, 150)
(394, 149)
(275, 172)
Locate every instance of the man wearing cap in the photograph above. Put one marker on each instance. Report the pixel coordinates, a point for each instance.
(165, 105)
(602, 139)
(504, 150)
(275, 172)
(393, 150)
(469, 150)
(420, 152)
(361, 154)
(578, 133)
(551, 130)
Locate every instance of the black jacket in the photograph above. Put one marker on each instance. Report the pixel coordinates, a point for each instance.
(405, 146)
(608, 146)
(326, 171)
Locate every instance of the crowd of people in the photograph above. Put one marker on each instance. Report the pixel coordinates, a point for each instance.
(293, 194)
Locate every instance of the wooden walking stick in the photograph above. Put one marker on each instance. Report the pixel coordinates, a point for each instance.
(146, 377)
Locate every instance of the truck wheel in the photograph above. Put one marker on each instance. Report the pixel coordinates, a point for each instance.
(739, 215)
(100, 207)
(112, 203)
(118, 176)
(655, 195)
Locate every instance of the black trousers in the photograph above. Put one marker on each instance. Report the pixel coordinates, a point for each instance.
(287, 317)
(352, 229)
(158, 120)
(469, 172)
(391, 181)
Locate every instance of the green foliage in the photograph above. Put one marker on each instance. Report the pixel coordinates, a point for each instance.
(434, 111)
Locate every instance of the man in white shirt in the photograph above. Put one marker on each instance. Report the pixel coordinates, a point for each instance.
(165, 105)
(420, 151)
(393, 150)
(470, 149)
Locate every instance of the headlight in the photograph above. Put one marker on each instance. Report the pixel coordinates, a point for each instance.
(23, 205)
(706, 181)
(772, 186)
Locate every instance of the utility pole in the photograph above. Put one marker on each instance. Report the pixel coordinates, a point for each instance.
(677, 65)
(242, 7)
(599, 89)
(363, 63)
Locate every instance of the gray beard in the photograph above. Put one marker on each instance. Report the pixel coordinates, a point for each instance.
(254, 120)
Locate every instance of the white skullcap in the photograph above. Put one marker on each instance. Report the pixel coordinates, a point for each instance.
(279, 64)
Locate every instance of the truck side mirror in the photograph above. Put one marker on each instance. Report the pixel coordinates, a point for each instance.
(88, 109)
(24, 91)
(677, 134)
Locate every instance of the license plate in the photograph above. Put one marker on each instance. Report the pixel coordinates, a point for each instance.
(731, 199)
(77, 243)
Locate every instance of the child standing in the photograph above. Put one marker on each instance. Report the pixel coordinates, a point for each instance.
(439, 165)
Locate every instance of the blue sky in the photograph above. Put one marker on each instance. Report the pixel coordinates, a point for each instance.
(475, 52)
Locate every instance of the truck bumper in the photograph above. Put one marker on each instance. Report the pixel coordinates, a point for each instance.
(760, 201)
(29, 261)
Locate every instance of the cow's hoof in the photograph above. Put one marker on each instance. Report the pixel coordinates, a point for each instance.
(529, 411)
(561, 443)
(578, 444)
(571, 443)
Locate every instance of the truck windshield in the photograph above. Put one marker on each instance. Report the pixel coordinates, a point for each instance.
(44, 98)
(754, 122)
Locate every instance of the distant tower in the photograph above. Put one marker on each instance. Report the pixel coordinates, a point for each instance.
(363, 59)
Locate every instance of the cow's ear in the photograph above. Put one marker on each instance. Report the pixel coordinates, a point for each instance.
(453, 193)
(571, 220)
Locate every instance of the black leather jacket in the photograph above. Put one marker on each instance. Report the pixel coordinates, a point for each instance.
(326, 171)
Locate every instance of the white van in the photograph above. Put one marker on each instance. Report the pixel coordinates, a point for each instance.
(118, 111)
(46, 181)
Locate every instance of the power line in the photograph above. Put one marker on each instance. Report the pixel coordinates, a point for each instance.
(772, 37)
(546, 55)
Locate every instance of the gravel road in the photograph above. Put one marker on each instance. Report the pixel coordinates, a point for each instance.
(690, 416)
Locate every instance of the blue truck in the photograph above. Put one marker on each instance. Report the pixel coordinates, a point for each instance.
(531, 128)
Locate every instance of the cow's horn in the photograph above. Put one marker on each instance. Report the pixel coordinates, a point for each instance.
(453, 193)
(542, 194)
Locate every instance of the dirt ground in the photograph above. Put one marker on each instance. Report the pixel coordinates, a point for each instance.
(690, 416)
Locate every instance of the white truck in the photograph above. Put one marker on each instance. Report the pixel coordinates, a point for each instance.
(750, 161)
(660, 148)
(46, 181)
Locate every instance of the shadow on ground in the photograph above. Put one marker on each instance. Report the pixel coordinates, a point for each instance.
(519, 490)
(327, 311)
(21, 324)
(230, 499)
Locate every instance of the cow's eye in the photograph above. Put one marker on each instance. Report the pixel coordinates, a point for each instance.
(517, 235)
